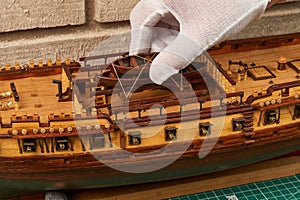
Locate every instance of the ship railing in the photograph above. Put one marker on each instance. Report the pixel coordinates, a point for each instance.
(40, 64)
(120, 112)
(219, 75)
(59, 127)
(177, 117)
(277, 104)
(283, 87)
(79, 116)
(105, 58)
(55, 133)
(230, 46)
(270, 105)
(26, 119)
(171, 100)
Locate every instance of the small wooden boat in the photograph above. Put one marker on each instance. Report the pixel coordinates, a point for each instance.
(99, 126)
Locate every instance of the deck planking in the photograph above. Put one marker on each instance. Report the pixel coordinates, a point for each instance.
(267, 57)
(38, 97)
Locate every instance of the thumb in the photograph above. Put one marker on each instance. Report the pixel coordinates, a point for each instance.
(180, 53)
(143, 18)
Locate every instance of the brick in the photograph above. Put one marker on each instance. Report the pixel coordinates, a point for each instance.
(113, 10)
(282, 19)
(73, 45)
(279, 20)
(29, 14)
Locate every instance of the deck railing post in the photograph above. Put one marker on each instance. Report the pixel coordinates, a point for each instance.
(221, 102)
(260, 116)
(278, 119)
(241, 98)
(116, 117)
(294, 114)
(160, 110)
(91, 142)
(201, 105)
(122, 140)
(109, 138)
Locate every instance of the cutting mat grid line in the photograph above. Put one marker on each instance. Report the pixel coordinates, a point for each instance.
(287, 188)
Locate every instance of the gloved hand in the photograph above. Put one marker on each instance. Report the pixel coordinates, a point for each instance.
(201, 24)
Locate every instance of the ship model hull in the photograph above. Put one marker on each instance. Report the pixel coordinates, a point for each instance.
(23, 176)
(100, 146)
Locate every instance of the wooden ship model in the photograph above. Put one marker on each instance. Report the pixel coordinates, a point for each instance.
(76, 126)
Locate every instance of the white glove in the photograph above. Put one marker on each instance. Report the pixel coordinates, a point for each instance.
(202, 24)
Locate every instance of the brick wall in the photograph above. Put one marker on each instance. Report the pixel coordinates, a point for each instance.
(41, 29)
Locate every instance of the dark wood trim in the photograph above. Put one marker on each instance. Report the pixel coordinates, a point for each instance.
(290, 63)
(231, 46)
(273, 88)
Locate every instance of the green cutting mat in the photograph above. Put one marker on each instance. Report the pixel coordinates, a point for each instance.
(287, 188)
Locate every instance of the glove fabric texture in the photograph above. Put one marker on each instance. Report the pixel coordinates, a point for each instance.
(182, 29)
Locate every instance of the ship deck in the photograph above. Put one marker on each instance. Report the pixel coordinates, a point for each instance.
(267, 57)
(38, 94)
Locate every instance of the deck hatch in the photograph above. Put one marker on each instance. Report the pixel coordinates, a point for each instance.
(260, 73)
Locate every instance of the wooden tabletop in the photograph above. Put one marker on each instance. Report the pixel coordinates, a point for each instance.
(271, 169)
(266, 170)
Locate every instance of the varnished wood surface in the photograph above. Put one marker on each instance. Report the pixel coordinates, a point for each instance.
(266, 57)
